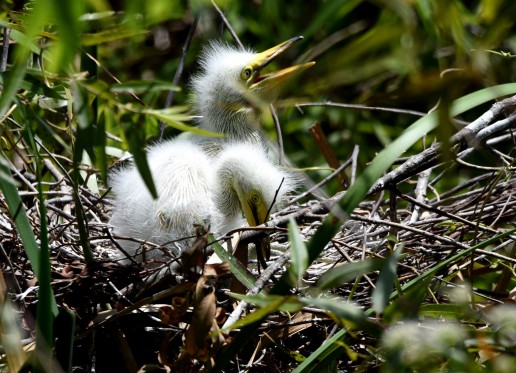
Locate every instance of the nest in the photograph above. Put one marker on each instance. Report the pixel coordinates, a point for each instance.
(129, 316)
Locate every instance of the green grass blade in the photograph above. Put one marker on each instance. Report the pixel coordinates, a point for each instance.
(381, 293)
(298, 253)
(381, 162)
(240, 272)
(342, 274)
(19, 215)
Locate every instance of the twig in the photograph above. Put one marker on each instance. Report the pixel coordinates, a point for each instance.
(258, 286)
(322, 182)
(484, 168)
(437, 211)
(360, 107)
(179, 72)
(424, 159)
(230, 29)
(329, 155)
(5, 49)
(354, 164)
(420, 193)
(281, 151)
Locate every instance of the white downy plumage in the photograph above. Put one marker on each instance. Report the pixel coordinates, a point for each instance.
(194, 189)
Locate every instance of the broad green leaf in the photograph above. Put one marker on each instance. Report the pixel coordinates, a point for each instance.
(298, 253)
(135, 134)
(381, 162)
(288, 303)
(21, 39)
(381, 293)
(143, 86)
(83, 142)
(13, 81)
(175, 120)
(341, 308)
(259, 314)
(66, 15)
(111, 35)
(19, 215)
(447, 311)
(386, 157)
(344, 273)
(237, 269)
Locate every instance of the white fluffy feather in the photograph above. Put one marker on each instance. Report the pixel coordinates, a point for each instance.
(221, 98)
(192, 189)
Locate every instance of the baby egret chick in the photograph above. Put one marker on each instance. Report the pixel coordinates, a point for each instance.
(184, 181)
(194, 189)
(249, 183)
(232, 86)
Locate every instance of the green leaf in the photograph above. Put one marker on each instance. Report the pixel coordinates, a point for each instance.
(12, 82)
(260, 313)
(143, 86)
(298, 252)
(381, 162)
(342, 274)
(174, 119)
(135, 136)
(386, 157)
(341, 308)
(446, 311)
(111, 35)
(240, 272)
(382, 291)
(19, 215)
(66, 14)
(288, 303)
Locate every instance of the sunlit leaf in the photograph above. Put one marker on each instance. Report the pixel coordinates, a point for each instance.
(344, 273)
(299, 254)
(382, 291)
(110, 36)
(341, 308)
(137, 87)
(239, 271)
(286, 303)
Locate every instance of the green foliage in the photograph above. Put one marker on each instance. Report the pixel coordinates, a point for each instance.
(79, 70)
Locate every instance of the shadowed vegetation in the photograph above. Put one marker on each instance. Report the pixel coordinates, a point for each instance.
(410, 269)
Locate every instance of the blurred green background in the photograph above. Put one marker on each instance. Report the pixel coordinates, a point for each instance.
(397, 54)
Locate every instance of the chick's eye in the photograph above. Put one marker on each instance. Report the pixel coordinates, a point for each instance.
(255, 198)
(247, 72)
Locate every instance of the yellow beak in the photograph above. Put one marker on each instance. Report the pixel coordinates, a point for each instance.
(257, 214)
(257, 80)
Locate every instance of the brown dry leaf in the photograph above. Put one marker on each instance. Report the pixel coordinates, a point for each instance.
(172, 315)
(67, 272)
(193, 256)
(199, 330)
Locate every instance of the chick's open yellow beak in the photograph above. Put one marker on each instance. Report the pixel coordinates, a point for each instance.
(264, 58)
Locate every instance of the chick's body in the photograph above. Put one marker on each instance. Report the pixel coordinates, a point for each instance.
(184, 179)
(195, 189)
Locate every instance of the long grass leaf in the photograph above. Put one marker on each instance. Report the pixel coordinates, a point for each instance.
(298, 253)
(381, 293)
(342, 274)
(237, 269)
